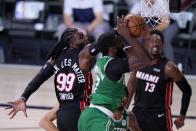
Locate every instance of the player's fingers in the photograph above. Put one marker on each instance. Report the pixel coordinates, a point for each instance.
(181, 122)
(118, 21)
(25, 113)
(10, 103)
(179, 125)
(122, 17)
(13, 115)
(124, 24)
(9, 107)
(11, 112)
(176, 126)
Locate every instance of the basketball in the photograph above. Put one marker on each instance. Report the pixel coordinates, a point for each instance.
(136, 25)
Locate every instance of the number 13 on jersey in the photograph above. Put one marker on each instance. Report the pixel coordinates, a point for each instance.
(150, 87)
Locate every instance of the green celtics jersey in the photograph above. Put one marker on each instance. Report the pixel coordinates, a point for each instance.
(108, 93)
(122, 124)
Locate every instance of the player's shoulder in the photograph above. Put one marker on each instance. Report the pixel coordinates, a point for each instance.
(118, 62)
(84, 50)
(170, 66)
(171, 70)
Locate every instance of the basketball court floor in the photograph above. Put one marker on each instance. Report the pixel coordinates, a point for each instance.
(14, 78)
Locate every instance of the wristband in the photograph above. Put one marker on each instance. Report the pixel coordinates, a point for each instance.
(23, 98)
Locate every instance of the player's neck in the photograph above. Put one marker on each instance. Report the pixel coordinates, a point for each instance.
(111, 54)
(155, 59)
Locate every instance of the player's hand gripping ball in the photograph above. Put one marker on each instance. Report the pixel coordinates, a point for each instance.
(136, 25)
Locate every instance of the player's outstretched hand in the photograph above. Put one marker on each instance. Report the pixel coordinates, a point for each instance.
(122, 27)
(18, 105)
(179, 121)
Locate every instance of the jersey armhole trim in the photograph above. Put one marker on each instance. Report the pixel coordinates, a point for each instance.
(107, 64)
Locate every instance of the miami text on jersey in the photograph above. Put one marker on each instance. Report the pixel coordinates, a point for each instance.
(147, 77)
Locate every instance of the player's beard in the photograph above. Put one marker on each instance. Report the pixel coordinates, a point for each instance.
(83, 42)
(156, 52)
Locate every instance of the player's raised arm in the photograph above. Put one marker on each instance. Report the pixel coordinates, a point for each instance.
(86, 55)
(131, 86)
(44, 74)
(137, 54)
(20, 104)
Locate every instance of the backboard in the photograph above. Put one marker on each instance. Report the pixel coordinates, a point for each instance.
(180, 5)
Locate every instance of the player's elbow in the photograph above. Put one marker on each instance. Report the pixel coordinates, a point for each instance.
(184, 87)
(188, 91)
(84, 65)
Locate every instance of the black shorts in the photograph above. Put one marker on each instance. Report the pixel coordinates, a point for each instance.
(153, 120)
(68, 115)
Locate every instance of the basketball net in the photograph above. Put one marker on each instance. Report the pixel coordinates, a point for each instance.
(155, 11)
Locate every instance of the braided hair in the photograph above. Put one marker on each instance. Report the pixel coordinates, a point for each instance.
(63, 43)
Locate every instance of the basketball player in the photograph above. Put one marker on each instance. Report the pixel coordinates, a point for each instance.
(46, 122)
(124, 120)
(72, 84)
(153, 87)
(109, 87)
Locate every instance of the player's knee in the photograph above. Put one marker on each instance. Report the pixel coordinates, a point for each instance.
(41, 122)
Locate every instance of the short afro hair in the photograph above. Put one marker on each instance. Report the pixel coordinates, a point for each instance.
(157, 32)
(105, 41)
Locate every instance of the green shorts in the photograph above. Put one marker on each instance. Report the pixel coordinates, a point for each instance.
(92, 119)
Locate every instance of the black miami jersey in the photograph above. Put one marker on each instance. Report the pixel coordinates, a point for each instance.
(71, 83)
(153, 89)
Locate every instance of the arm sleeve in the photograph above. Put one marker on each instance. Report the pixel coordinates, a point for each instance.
(46, 72)
(186, 95)
(116, 68)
